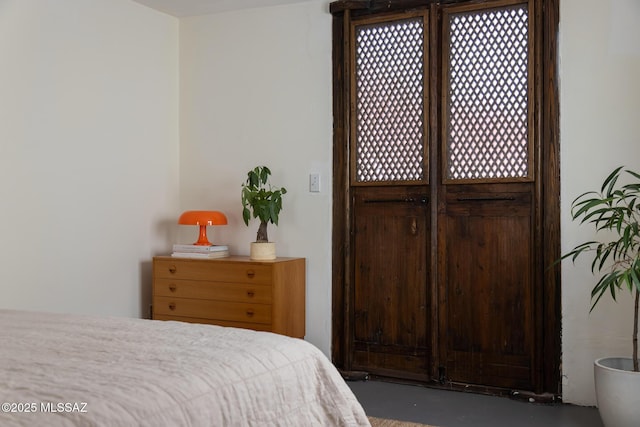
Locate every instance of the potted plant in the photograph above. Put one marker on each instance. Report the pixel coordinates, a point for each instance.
(261, 200)
(614, 211)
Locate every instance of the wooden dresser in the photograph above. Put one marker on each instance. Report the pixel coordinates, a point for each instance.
(233, 291)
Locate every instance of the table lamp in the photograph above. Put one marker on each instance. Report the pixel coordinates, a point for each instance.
(202, 218)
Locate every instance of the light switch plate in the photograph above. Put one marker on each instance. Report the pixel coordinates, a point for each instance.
(314, 183)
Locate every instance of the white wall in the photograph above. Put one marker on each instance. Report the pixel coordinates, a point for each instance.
(600, 124)
(88, 152)
(256, 89)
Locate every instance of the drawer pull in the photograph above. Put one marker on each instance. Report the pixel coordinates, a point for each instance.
(250, 294)
(172, 269)
(172, 287)
(249, 313)
(172, 306)
(251, 274)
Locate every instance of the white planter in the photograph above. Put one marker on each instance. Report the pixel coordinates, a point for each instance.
(262, 251)
(617, 392)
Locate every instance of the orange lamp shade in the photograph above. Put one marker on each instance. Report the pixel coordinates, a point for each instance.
(203, 219)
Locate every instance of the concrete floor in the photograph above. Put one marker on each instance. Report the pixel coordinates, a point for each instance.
(444, 408)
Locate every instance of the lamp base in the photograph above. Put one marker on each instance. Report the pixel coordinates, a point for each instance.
(202, 237)
(260, 251)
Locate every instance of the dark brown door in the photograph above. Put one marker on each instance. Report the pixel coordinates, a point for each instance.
(439, 276)
(487, 196)
(390, 197)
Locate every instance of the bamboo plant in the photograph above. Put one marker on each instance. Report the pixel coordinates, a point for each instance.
(614, 211)
(261, 200)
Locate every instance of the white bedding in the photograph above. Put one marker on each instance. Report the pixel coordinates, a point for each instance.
(64, 370)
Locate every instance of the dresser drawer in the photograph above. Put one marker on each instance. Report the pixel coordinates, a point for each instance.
(213, 270)
(221, 291)
(208, 309)
(245, 325)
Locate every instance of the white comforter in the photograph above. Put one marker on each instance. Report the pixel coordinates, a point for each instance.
(64, 370)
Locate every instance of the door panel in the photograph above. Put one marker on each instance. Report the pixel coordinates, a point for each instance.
(391, 303)
(389, 126)
(487, 94)
(487, 283)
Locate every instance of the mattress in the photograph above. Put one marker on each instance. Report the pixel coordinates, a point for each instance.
(71, 370)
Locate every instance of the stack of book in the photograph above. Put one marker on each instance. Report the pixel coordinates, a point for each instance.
(200, 251)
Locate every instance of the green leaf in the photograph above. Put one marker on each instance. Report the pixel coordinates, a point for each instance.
(246, 215)
(264, 174)
(610, 182)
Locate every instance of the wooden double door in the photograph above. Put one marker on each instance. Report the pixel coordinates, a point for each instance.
(442, 211)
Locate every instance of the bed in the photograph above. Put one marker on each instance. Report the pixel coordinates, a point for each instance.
(71, 370)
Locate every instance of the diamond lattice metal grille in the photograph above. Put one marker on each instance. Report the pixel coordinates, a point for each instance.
(487, 97)
(389, 101)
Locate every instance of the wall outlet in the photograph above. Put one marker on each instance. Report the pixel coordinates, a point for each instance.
(314, 183)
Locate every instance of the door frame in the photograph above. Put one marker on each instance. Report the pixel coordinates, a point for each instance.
(548, 325)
